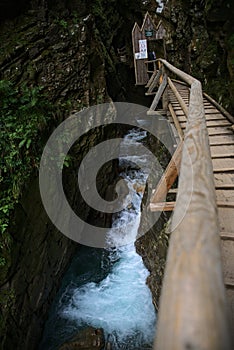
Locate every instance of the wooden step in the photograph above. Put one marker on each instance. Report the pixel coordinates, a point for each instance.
(225, 204)
(163, 206)
(227, 236)
(225, 216)
(224, 170)
(227, 249)
(221, 149)
(173, 190)
(224, 155)
(219, 131)
(225, 187)
(219, 141)
(229, 284)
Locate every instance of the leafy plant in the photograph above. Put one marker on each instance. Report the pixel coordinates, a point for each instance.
(63, 23)
(24, 114)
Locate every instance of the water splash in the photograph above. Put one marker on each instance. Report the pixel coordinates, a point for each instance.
(117, 299)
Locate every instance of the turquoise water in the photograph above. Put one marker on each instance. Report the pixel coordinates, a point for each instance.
(106, 288)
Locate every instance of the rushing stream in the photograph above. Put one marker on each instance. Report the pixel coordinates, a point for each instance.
(106, 288)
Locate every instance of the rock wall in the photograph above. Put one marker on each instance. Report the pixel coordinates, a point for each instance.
(153, 245)
(40, 253)
(70, 49)
(201, 42)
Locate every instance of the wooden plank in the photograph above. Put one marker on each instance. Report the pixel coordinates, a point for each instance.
(181, 118)
(168, 177)
(211, 131)
(211, 110)
(223, 170)
(224, 155)
(227, 249)
(225, 195)
(224, 142)
(227, 236)
(158, 96)
(194, 251)
(193, 310)
(155, 80)
(222, 204)
(164, 206)
(217, 123)
(225, 216)
(225, 186)
(151, 79)
(223, 165)
(213, 126)
(220, 108)
(179, 98)
(229, 285)
(177, 109)
(223, 179)
(230, 297)
(173, 190)
(179, 112)
(221, 149)
(214, 117)
(176, 122)
(219, 131)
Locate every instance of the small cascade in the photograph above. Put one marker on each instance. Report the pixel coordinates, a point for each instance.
(105, 288)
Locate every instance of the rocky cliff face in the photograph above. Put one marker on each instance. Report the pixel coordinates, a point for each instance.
(40, 253)
(201, 42)
(69, 48)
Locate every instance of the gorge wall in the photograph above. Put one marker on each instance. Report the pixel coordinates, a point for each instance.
(69, 50)
(201, 42)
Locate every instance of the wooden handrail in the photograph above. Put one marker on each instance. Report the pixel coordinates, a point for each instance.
(193, 309)
(179, 98)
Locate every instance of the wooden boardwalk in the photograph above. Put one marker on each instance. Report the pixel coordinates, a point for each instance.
(175, 97)
(221, 140)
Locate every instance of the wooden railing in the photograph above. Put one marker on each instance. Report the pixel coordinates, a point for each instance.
(193, 309)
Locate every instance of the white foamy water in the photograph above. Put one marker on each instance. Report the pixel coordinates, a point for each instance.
(120, 303)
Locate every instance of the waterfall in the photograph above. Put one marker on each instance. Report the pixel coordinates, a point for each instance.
(105, 288)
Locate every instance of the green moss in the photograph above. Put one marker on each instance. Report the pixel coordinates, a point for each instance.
(230, 41)
(24, 115)
(208, 5)
(7, 302)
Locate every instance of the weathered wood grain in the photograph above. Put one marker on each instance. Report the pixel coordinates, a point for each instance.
(169, 176)
(193, 305)
(158, 96)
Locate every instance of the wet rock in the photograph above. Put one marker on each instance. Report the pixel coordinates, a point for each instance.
(89, 338)
(66, 48)
(139, 188)
(153, 244)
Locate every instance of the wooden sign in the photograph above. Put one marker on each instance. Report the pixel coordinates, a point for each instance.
(143, 48)
(149, 33)
(140, 37)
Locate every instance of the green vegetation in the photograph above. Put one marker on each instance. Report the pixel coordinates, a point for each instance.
(63, 23)
(230, 41)
(24, 114)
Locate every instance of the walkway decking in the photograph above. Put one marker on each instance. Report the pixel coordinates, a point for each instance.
(187, 119)
(221, 139)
